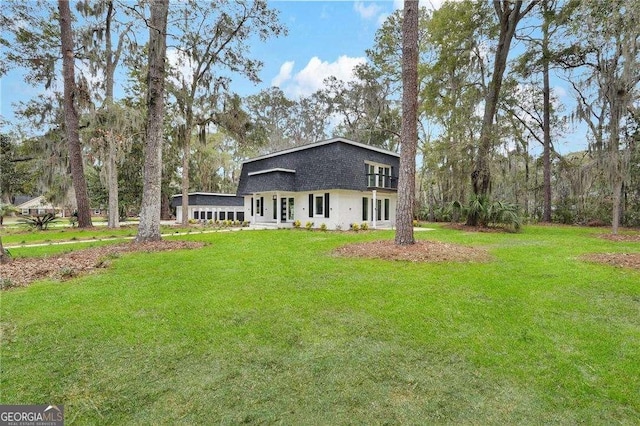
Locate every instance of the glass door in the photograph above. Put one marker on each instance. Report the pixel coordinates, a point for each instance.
(290, 209)
(286, 209)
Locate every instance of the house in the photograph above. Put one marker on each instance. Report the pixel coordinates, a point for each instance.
(31, 206)
(336, 182)
(210, 206)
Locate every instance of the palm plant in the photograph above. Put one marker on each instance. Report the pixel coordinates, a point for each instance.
(5, 210)
(39, 222)
(492, 213)
(504, 213)
(477, 209)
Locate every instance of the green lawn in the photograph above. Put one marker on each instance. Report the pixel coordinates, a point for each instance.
(270, 327)
(22, 235)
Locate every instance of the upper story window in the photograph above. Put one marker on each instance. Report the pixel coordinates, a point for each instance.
(379, 176)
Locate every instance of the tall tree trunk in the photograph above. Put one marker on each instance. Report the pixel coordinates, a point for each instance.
(186, 155)
(185, 135)
(71, 117)
(4, 258)
(112, 183)
(409, 130)
(616, 103)
(112, 167)
(617, 203)
(149, 227)
(165, 207)
(509, 15)
(546, 114)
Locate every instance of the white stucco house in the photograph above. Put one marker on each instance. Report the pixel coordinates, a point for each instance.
(336, 182)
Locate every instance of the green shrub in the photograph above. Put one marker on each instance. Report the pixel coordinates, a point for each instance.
(355, 227)
(323, 227)
(487, 213)
(308, 225)
(67, 272)
(501, 213)
(364, 226)
(297, 224)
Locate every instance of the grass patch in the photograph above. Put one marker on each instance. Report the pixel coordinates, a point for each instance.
(22, 235)
(269, 327)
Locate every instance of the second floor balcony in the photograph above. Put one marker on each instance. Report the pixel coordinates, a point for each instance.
(382, 181)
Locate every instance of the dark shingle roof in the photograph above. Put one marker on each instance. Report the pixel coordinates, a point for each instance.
(21, 199)
(208, 199)
(332, 164)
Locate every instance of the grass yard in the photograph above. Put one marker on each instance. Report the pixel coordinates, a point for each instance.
(271, 327)
(22, 235)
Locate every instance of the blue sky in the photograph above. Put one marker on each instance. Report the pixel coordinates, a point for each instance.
(325, 38)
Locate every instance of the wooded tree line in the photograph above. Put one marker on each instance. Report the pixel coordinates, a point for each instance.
(489, 121)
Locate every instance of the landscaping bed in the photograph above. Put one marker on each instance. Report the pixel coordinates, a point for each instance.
(23, 271)
(421, 251)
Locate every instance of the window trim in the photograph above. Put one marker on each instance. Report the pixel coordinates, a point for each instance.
(319, 205)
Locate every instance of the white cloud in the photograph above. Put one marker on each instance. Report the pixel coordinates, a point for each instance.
(382, 18)
(559, 92)
(284, 74)
(367, 12)
(182, 66)
(311, 77)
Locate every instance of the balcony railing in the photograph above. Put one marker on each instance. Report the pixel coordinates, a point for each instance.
(381, 181)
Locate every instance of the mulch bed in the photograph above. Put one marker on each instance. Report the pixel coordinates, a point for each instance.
(631, 237)
(421, 251)
(23, 271)
(621, 260)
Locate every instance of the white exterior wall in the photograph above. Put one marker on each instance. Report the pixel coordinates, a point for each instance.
(345, 209)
